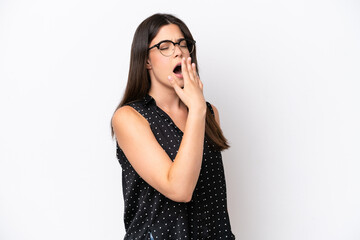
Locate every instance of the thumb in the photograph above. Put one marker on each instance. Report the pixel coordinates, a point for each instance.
(179, 91)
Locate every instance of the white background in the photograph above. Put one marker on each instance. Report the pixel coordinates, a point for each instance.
(283, 74)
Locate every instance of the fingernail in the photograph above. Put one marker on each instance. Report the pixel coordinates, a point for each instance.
(169, 77)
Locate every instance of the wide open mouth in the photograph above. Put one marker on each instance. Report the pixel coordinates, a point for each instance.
(177, 69)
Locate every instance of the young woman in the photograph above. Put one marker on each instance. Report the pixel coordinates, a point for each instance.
(169, 140)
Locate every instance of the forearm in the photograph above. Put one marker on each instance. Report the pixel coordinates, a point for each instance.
(185, 169)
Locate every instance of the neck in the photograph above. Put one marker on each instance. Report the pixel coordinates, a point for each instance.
(166, 99)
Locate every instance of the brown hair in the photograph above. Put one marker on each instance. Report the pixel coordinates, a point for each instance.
(138, 84)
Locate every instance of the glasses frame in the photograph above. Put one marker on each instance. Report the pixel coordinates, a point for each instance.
(174, 43)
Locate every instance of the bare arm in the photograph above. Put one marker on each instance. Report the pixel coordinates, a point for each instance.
(174, 179)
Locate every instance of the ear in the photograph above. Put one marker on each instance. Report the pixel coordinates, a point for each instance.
(148, 64)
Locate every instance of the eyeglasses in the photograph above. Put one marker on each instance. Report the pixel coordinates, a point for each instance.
(167, 47)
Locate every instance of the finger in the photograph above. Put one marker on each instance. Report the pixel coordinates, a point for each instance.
(193, 68)
(184, 71)
(191, 74)
(179, 91)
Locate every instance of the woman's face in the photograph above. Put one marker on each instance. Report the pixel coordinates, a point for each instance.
(160, 66)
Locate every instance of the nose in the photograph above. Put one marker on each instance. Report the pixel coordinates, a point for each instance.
(177, 50)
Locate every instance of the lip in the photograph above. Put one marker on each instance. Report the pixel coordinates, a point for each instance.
(178, 75)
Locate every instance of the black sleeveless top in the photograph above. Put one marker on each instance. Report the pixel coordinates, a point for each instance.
(149, 213)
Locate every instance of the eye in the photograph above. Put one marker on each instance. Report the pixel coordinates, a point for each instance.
(164, 45)
(183, 43)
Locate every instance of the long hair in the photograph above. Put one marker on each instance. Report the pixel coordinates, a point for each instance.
(138, 84)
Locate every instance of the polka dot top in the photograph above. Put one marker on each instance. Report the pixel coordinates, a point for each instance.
(150, 215)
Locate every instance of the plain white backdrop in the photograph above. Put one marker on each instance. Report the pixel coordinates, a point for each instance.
(283, 74)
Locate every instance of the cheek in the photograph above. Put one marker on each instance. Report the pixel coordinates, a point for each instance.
(186, 55)
(161, 64)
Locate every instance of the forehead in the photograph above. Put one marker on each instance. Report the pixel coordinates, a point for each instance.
(168, 32)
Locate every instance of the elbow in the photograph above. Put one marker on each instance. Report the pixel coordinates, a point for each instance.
(180, 191)
(182, 197)
(186, 199)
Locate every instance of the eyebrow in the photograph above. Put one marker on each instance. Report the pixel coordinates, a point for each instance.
(177, 40)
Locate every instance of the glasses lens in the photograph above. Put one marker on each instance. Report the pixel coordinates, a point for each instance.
(187, 45)
(166, 48)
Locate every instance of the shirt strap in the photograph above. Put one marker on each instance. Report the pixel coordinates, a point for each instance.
(210, 108)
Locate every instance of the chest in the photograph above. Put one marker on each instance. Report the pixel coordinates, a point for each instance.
(179, 119)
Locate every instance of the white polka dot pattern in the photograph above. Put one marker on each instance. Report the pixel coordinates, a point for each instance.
(149, 213)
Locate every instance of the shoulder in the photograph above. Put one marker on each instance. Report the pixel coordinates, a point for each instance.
(125, 115)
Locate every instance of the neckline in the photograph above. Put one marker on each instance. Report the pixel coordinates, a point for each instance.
(149, 99)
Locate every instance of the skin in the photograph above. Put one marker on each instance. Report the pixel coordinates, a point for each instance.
(183, 100)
